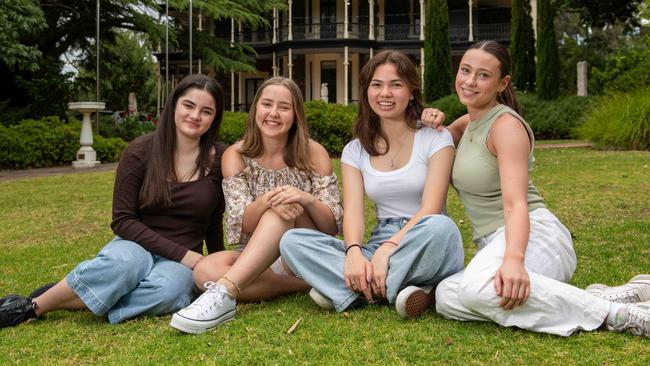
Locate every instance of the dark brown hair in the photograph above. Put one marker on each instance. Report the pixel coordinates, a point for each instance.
(296, 153)
(367, 126)
(161, 170)
(500, 52)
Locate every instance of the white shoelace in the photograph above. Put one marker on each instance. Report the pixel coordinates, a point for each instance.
(638, 320)
(213, 296)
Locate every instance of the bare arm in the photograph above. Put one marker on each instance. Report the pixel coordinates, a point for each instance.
(433, 200)
(357, 269)
(231, 164)
(510, 143)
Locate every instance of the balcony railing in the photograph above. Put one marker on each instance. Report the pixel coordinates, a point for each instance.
(325, 31)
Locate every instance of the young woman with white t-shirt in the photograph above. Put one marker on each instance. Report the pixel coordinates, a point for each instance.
(404, 169)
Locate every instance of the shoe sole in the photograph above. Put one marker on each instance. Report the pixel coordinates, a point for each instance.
(193, 326)
(417, 303)
(320, 300)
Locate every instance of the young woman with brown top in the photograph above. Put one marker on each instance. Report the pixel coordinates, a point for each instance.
(167, 199)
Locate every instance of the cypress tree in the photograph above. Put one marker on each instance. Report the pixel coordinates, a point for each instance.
(548, 60)
(437, 51)
(522, 46)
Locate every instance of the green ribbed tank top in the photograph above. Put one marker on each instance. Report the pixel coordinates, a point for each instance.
(475, 174)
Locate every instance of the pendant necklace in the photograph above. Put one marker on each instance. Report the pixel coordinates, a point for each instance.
(392, 160)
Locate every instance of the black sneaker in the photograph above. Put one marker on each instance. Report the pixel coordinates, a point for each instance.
(41, 290)
(15, 309)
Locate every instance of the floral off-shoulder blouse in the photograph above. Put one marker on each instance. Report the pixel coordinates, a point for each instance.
(254, 180)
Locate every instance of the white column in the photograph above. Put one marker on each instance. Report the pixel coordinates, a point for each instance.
(470, 38)
(422, 66)
(240, 93)
(346, 76)
(200, 29)
(274, 67)
(275, 25)
(290, 32)
(290, 64)
(422, 20)
(371, 21)
(345, 19)
(232, 90)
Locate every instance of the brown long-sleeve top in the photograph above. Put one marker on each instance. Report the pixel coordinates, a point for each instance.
(196, 213)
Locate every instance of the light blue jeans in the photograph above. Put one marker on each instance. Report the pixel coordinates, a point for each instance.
(125, 280)
(430, 251)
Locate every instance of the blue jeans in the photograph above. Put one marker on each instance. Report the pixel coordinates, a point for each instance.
(429, 252)
(125, 280)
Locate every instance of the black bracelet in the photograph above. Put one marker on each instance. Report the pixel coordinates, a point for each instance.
(350, 247)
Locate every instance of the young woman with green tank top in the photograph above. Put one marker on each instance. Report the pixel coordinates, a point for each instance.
(519, 275)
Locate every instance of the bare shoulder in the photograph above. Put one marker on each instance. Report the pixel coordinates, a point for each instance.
(509, 132)
(508, 124)
(232, 161)
(319, 158)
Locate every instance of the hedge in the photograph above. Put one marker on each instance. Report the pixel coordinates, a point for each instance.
(550, 120)
(49, 142)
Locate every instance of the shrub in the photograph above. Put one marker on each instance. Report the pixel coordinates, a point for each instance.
(109, 149)
(438, 79)
(330, 124)
(622, 121)
(555, 119)
(624, 71)
(128, 128)
(232, 127)
(48, 142)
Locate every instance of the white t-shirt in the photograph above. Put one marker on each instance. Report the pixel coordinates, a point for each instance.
(398, 193)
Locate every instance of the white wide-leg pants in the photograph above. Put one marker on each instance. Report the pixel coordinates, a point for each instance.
(553, 306)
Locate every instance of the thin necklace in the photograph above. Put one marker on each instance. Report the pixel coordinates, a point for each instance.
(392, 160)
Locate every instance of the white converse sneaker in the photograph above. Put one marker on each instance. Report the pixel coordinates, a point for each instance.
(413, 301)
(212, 308)
(321, 300)
(634, 318)
(636, 290)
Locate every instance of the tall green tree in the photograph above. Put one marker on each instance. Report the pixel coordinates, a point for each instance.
(70, 27)
(522, 46)
(126, 66)
(600, 13)
(437, 51)
(19, 18)
(548, 61)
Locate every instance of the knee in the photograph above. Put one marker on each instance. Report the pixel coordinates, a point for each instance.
(475, 292)
(126, 258)
(445, 291)
(291, 240)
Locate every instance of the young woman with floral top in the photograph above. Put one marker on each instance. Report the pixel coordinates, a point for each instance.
(275, 179)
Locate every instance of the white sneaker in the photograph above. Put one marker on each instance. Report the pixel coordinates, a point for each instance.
(413, 301)
(212, 308)
(321, 300)
(634, 318)
(636, 290)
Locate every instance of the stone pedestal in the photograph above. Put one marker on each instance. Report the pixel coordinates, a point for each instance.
(86, 156)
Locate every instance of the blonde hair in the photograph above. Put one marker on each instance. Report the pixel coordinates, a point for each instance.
(296, 153)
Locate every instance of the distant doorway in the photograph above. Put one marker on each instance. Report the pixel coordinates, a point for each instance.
(251, 89)
(328, 75)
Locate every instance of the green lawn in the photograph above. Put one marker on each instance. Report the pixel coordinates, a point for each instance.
(48, 225)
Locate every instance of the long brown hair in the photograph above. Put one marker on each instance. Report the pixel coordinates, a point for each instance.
(367, 126)
(296, 153)
(500, 52)
(161, 170)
